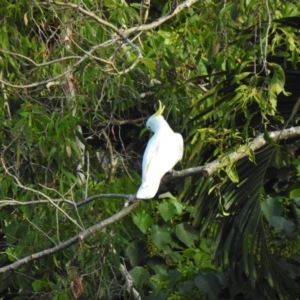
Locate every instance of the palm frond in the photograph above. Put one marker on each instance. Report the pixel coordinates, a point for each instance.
(240, 241)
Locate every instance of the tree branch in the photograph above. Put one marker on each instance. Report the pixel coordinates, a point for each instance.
(78, 238)
(243, 151)
(161, 20)
(13, 202)
(87, 13)
(37, 64)
(137, 122)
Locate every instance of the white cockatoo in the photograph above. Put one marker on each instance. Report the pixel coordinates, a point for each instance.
(163, 151)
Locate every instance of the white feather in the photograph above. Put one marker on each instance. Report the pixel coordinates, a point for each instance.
(163, 151)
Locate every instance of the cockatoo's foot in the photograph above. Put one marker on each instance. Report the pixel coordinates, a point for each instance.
(130, 200)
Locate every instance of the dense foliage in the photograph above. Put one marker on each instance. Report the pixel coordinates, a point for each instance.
(79, 79)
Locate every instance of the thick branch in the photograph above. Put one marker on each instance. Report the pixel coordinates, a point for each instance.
(33, 202)
(124, 33)
(12, 202)
(243, 151)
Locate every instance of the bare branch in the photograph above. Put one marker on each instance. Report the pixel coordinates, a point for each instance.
(12, 202)
(243, 151)
(129, 282)
(33, 202)
(37, 64)
(138, 122)
(161, 20)
(101, 196)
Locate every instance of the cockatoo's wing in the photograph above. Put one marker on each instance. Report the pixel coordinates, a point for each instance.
(178, 142)
(150, 183)
(161, 155)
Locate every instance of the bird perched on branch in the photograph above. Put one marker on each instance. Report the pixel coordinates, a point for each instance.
(163, 151)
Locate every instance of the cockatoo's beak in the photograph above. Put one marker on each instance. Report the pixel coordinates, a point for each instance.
(160, 110)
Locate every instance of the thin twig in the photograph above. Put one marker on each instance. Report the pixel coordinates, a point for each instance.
(265, 62)
(138, 122)
(41, 64)
(111, 156)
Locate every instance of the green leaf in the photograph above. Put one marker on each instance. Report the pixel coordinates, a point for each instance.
(140, 276)
(295, 193)
(271, 207)
(209, 284)
(286, 227)
(295, 58)
(167, 210)
(136, 252)
(186, 286)
(142, 220)
(28, 134)
(143, 131)
(167, 36)
(176, 257)
(160, 236)
(20, 123)
(231, 172)
(55, 261)
(37, 285)
(11, 254)
(297, 201)
(178, 205)
(251, 155)
(278, 79)
(149, 63)
(185, 233)
(241, 76)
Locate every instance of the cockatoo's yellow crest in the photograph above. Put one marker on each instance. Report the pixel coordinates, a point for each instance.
(160, 110)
